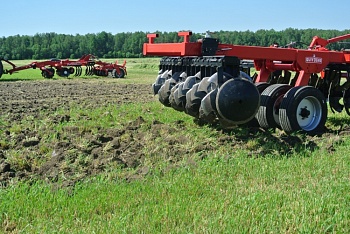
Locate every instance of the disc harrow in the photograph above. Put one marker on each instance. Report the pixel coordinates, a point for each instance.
(65, 68)
(290, 89)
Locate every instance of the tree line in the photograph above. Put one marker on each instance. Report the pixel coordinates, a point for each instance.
(129, 44)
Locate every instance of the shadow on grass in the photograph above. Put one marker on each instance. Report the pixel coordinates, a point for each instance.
(261, 142)
(338, 125)
(273, 142)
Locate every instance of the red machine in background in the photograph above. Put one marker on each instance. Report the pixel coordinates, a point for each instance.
(65, 68)
(212, 82)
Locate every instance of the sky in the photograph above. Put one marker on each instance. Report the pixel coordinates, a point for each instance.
(25, 17)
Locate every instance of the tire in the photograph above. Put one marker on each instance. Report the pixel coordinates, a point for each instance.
(63, 72)
(46, 73)
(71, 70)
(261, 87)
(304, 109)
(121, 73)
(271, 97)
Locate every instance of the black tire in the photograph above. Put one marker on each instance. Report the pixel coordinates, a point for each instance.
(49, 73)
(271, 97)
(261, 87)
(71, 70)
(44, 74)
(63, 72)
(304, 109)
(121, 73)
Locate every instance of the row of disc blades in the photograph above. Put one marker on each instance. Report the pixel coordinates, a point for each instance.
(232, 102)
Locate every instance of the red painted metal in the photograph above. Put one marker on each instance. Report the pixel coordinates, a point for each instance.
(266, 59)
(185, 48)
(85, 60)
(317, 41)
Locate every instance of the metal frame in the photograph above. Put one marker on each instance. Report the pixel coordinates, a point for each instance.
(266, 59)
(67, 67)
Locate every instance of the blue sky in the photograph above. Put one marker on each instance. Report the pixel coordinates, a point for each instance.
(26, 17)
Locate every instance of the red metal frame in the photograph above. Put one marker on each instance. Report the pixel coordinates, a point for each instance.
(266, 59)
(85, 60)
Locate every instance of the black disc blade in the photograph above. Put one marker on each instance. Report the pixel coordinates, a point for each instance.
(164, 92)
(207, 110)
(237, 101)
(192, 102)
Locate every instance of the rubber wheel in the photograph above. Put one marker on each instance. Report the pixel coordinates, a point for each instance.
(46, 74)
(121, 73)
(63, 72)
(71, 70)
(303, 108)
(271, 97)
(261, 87)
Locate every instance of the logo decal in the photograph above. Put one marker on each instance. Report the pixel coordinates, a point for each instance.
(313, 59)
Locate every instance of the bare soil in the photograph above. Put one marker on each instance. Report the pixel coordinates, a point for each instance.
(23, 98)
(109, 148)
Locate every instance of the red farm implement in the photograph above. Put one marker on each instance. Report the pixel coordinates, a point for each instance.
(65, 68)
(290, 89)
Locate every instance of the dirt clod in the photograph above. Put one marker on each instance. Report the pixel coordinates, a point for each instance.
(69, 161)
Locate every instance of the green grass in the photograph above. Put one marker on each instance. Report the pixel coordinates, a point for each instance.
(228, 191)
(217, 195)
(240, 183)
